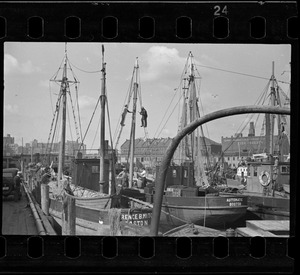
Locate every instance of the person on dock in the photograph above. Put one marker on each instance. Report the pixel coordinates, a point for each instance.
(17, 186)
(144, 115)
(125, 111)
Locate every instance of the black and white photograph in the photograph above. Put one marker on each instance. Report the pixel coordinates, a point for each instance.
(146, 139)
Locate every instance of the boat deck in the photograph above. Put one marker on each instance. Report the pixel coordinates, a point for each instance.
(17, 217)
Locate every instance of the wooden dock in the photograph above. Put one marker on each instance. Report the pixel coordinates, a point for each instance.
(265, 228)
(17, 218)
(24, 217)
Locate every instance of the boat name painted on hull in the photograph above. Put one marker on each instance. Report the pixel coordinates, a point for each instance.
(234, 201)
(137, 219)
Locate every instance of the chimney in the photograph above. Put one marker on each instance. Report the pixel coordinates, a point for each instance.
(251, 130)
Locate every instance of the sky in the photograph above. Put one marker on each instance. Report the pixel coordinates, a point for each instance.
(231, 75)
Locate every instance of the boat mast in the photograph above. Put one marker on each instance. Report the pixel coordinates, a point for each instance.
(133, 124)
(272, 116)
(102, 126)
(63, 94)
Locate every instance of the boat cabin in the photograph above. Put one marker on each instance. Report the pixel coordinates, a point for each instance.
(179, 175)
(86, 173)
(260, 175)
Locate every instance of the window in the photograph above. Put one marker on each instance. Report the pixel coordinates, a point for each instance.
(255, 171)
(95, 169)
(228, 158)
(233, 158)
(285, 169)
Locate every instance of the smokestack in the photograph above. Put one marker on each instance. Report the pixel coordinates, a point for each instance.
(251, 130)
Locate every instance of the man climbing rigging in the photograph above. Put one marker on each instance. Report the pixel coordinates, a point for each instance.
(125, 111)
(144, 115)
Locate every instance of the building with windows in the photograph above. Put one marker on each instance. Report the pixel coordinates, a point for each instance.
(238, 147)
(149, 152)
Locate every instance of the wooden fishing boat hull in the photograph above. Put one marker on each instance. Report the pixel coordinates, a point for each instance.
(269, 208)
(265, 207)
(95, 220)
(192, 230)
(211, 211)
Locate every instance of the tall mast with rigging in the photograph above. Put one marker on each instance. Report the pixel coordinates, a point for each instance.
(102, 125)
(63, 95)
(133, 124)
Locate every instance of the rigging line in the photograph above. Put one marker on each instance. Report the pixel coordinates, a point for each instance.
(169, 117)
(50, 93)
(53, 78)
(96, 133)
(74, 116)
(70, 68)
(166, 112)
(199, 97)
(140, 90)
(128, 100)
(233, 72)
(263, 94)
(68, 115)
(109, 124)
(182, 79)
(89, 72)
(77, 104)
(89, 123)
(176, 89)
(55, 114)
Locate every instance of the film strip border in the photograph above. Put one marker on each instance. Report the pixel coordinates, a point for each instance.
(182, 254)
(251, 21)
(197, 22)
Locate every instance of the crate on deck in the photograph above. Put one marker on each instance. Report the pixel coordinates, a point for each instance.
(189, 192)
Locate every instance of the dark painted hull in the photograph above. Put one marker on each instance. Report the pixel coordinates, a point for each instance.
(269, 208)
(210, 211)
(266, 207)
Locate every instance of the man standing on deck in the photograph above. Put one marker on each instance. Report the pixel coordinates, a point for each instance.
(17, 186)
(143, 177)
(123, 176)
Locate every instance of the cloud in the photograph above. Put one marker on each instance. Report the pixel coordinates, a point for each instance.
(86, 101)
(12, 65)
(13, 109)
(162, 62)
(28, 68)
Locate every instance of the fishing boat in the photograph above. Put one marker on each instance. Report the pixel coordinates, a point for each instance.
(190, 196)
(265, 176)
(98, 207)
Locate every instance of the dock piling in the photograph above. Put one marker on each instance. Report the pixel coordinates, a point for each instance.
(69, 216)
